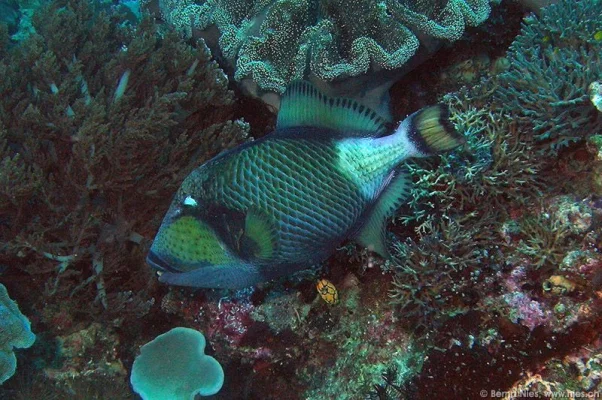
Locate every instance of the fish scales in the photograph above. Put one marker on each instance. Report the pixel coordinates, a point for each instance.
(318, 203)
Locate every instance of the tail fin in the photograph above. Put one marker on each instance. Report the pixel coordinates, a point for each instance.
(431, 131)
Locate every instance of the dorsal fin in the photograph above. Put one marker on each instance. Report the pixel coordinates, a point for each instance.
(304, 105)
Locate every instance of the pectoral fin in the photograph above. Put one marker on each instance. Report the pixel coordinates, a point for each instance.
(259, 240)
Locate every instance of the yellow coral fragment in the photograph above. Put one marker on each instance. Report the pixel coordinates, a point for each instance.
(328, 291)
(558, 285)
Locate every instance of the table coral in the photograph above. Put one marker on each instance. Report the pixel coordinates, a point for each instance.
(276, 42)
(174, 366)
(15, 332)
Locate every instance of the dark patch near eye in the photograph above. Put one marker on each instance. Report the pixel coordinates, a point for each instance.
(158, 263)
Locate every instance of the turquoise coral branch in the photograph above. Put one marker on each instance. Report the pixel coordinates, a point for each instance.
(15, 332)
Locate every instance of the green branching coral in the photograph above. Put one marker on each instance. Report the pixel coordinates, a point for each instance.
(275, 42)
(496, 166)
(553, 62)
(456, 210)
(99, 124)
(435, 274)
(544, 240)
(546, 236)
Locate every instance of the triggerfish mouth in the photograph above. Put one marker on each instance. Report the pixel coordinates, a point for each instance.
(330, 172)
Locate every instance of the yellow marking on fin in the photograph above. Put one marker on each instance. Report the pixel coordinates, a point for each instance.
(433, 126)
(261, 233)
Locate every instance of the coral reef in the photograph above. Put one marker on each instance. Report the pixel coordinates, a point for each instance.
(99, 122)
(10, 14)
(437, 276)
(595, 94)
(392, 387)
(496, 279)
(276, 42)
(296, 346)
(86, 357)
(576, 375)
(528, 272)
(496, 168)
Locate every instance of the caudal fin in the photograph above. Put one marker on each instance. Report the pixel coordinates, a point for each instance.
(431, 131)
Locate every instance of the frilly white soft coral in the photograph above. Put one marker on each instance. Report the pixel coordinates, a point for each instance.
(277, 42)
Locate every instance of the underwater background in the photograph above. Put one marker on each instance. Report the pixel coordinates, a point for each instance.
(494, 287)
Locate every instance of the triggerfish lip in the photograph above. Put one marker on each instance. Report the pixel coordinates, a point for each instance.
(156, 262)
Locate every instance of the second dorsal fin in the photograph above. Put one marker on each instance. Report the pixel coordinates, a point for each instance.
(304, 105)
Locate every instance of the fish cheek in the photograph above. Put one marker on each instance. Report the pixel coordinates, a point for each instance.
(189, 243)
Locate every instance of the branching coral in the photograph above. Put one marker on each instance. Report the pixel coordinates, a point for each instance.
(545, 239)
(553, 62)
(275, 42)
(496, 167)
(435, 275)
(456, 208)
(99, 124)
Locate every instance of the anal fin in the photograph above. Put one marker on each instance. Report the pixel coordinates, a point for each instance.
(372, 233)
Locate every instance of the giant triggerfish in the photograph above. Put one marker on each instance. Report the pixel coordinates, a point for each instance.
(329, 172)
